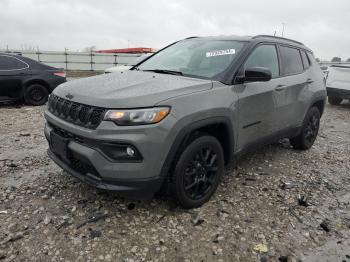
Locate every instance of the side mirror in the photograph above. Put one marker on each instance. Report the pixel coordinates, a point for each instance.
(257, 74)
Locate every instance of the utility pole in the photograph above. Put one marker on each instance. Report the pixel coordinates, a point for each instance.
(283, 24)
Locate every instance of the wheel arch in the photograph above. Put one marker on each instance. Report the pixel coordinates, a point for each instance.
(37, 81)
(219, 127)
(320, 103)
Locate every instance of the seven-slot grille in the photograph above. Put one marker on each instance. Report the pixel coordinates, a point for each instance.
(79, 114)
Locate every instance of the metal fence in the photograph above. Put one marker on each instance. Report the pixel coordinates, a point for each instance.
(85, 61)
(325, 63)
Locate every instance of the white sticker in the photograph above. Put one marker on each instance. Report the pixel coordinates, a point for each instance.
(220, 52)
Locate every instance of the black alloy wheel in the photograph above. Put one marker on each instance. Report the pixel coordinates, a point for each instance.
(309, 130)
(198, 172)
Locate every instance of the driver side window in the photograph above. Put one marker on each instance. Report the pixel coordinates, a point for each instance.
(264, 56)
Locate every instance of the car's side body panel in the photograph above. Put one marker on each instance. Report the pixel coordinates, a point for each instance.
(338, 81)
(13, 81)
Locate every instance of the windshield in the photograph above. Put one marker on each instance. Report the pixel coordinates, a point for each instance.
(194, 57)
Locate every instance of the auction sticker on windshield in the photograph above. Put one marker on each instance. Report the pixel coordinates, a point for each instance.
(220, 52)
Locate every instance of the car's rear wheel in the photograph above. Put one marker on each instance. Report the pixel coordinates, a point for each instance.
(334, 100)
(36, 95)
(309, 130)
(198, 172)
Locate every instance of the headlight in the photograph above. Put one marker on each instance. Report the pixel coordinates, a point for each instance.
(141, 116)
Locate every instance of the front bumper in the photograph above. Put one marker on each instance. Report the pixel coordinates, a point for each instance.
(336, 92)
(87, 161)
(142, 188)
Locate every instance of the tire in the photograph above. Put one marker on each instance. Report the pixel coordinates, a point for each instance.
(309, 130)
(334, 100)
(198, 172)
(36, 95)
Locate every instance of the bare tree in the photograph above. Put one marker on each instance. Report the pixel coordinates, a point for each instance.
(89, 49)
(336, 59)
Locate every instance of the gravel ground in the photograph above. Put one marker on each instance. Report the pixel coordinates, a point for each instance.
(278, 204)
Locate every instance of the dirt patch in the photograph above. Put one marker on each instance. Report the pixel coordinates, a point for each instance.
(278, 204)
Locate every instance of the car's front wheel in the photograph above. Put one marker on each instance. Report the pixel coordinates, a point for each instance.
(334, 100)
(36, 95)
(198, 172)
(309, 130)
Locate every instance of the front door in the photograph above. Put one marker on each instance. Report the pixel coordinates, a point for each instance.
(257, 100)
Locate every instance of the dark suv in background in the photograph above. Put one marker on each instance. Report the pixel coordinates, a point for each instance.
(23, 79)
(175, 119)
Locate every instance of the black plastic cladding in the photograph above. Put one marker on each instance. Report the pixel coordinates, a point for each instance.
(79, 114)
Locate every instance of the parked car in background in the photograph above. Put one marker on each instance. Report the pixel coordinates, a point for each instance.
(23, 79)
(175, 120)
(338, 83)
(117, 68)
(128, 66)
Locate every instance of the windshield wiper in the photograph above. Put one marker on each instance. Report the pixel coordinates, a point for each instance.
(163, 71)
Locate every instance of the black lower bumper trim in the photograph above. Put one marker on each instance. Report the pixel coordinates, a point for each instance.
(336, 92)
(140, 188)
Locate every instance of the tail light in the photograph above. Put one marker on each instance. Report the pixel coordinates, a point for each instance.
(61, 74)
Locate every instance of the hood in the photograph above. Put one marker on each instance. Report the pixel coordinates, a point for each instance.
(129, 89)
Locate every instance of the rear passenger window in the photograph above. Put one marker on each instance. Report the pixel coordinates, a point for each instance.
(264, 56)
(9, 63)
(306, 60)
(291, 61)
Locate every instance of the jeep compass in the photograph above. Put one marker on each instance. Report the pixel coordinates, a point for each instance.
(177, 118)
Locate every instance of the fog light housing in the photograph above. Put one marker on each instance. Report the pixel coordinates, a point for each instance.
(121, 152)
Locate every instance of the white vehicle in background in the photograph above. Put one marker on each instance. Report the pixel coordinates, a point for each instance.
(117, 68)
(338, 83)
(126, 67)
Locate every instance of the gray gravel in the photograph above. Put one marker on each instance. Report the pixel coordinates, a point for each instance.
(278, 204)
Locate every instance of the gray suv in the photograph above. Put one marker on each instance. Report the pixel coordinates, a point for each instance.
(177, 118)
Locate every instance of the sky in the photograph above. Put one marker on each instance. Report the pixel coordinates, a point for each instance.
(76, 24)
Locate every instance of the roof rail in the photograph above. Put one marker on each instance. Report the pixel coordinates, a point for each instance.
(191, 37)
(278, 37)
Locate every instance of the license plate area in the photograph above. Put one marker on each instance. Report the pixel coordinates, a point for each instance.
(59, 145)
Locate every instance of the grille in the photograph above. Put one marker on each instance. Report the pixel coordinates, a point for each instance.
(79, 114)
(82, 167)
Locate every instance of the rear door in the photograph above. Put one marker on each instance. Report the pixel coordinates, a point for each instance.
(291, 96)
(12, 72)
(257, 101)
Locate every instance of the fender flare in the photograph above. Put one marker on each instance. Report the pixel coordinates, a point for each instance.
(316, 99)
(187, 130)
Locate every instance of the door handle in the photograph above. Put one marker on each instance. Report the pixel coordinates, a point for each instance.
(309, 81)
(280, 87)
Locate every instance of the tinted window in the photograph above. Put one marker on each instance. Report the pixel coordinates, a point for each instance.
(291, 61)
(8, 63)
(264, 56)
(311, 58)
(306, 60)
